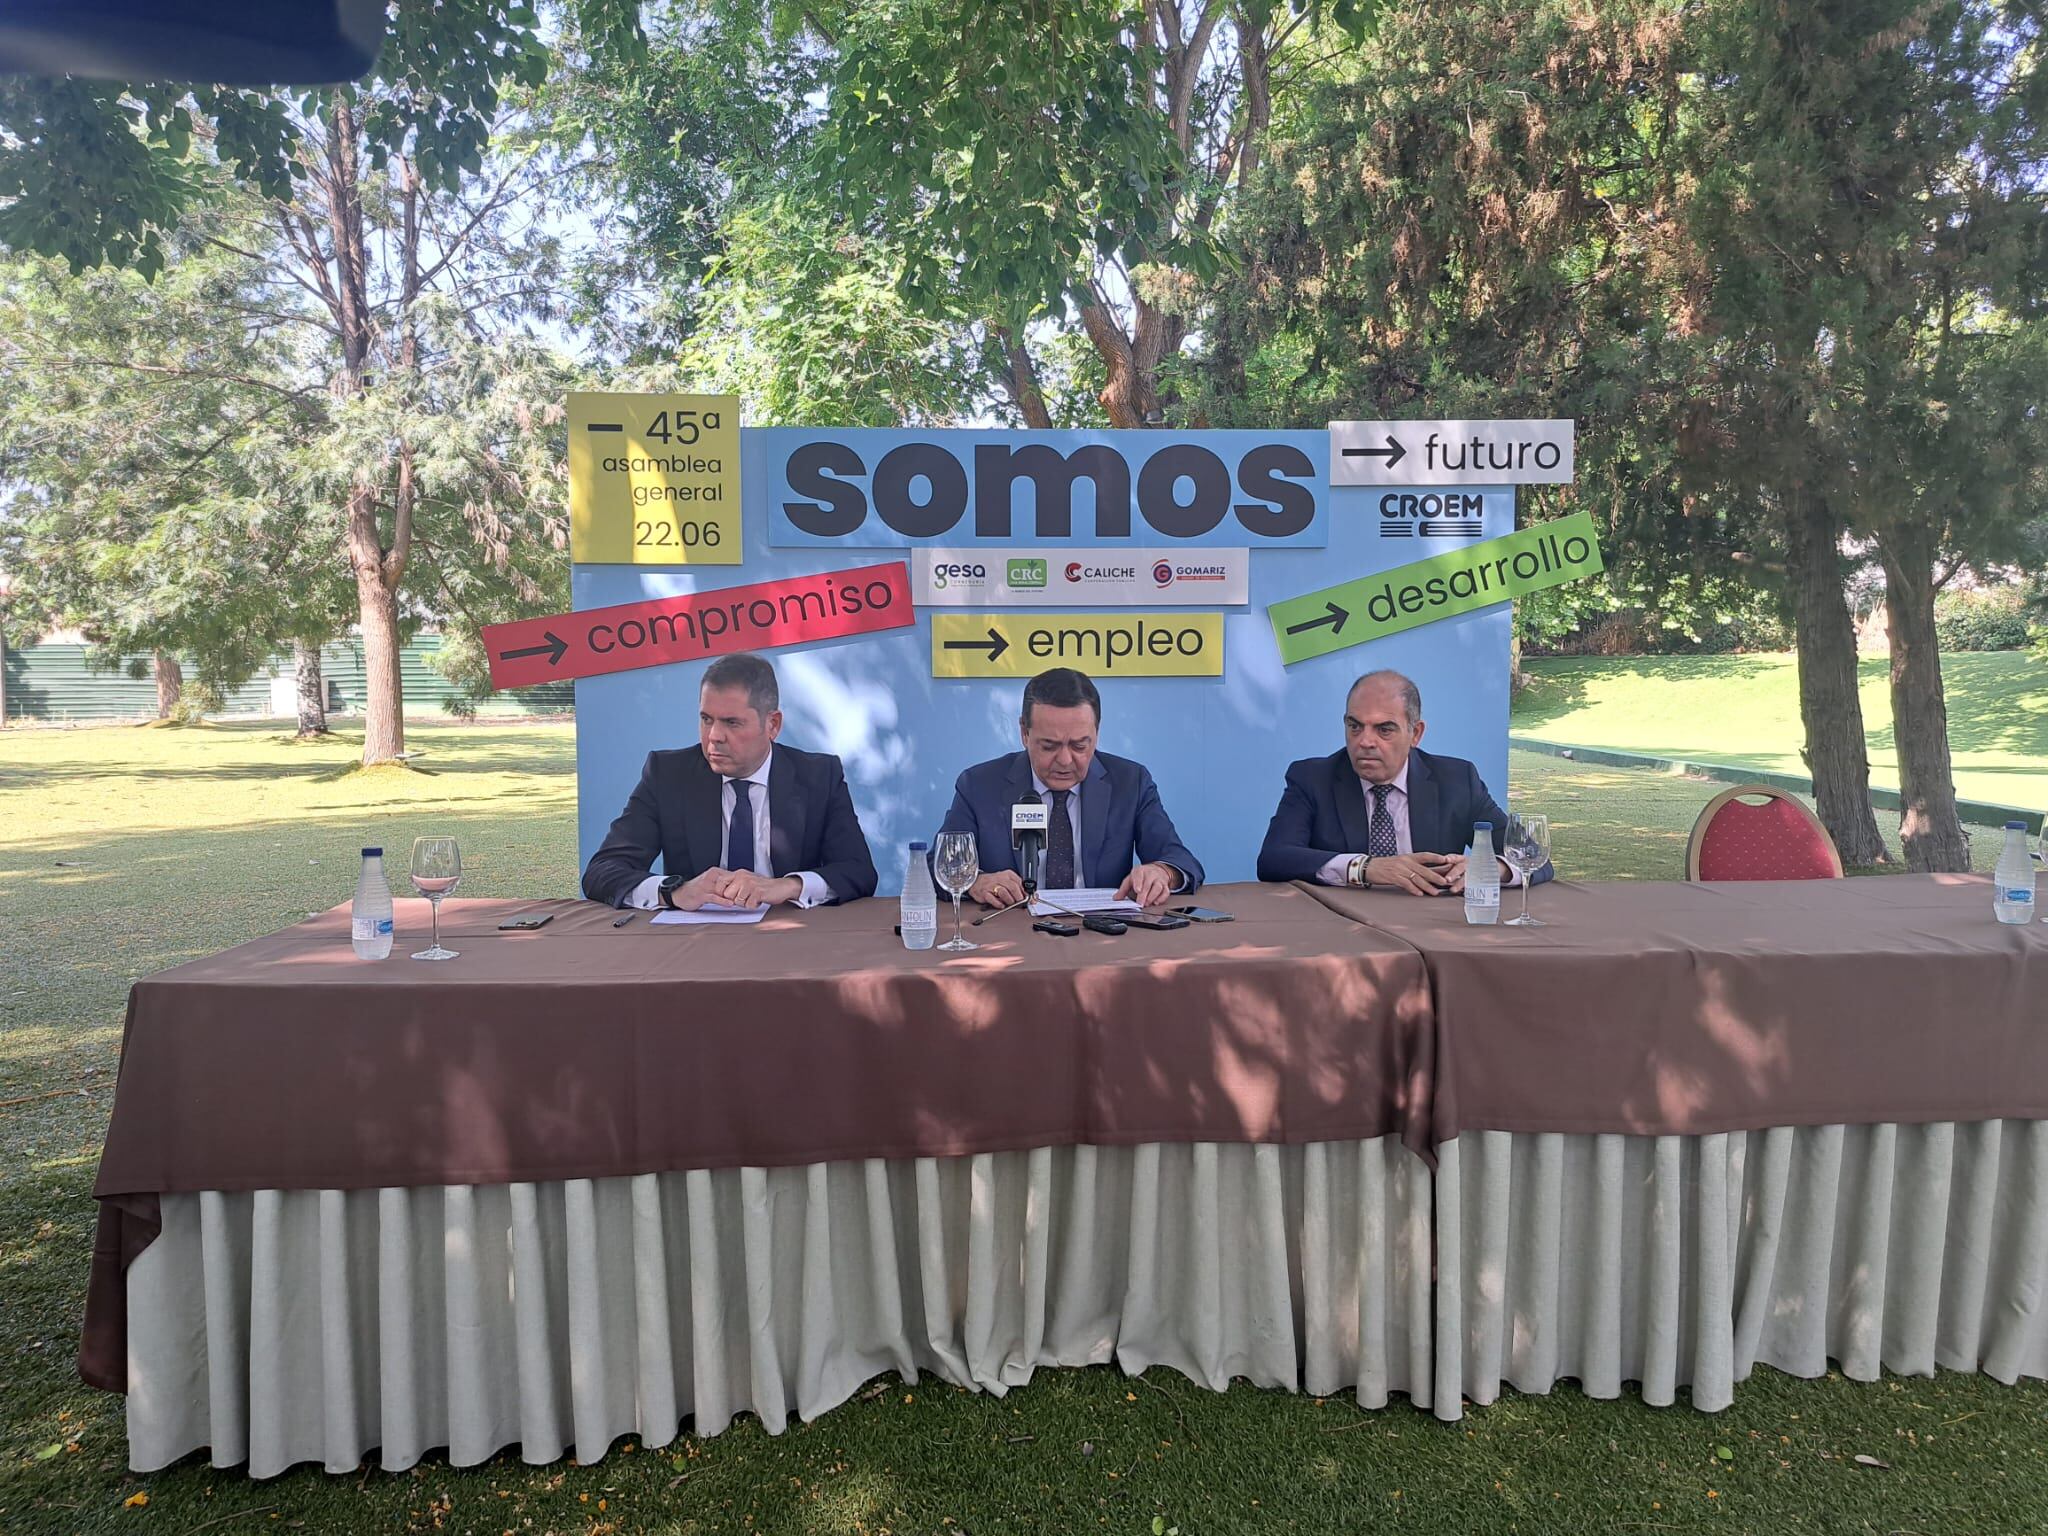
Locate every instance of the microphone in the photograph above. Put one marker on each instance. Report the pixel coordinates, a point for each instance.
(1028, 819)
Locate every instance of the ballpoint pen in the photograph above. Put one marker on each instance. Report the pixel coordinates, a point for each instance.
(620, 922)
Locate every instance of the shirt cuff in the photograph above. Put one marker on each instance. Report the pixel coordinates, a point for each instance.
(646, 895)
(815, 892)
(1512, 878)
(1337, 871)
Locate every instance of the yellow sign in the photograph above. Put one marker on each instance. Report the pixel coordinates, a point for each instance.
(1100, 644)
(654, 479)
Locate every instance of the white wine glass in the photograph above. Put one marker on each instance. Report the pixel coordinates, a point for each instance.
(436, 871)
(957, 865)
(1526, 847)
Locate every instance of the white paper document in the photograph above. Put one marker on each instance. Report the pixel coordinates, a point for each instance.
(1101, 898)
(713, 912)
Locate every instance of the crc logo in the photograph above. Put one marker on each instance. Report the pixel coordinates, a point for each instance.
(1023, 574)
(921, 489)
(968, 575)
(1433, 514)
(1162, 574)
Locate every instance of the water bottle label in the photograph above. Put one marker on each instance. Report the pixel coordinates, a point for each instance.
(2020, 893)
(369, 927)
(1483, 895)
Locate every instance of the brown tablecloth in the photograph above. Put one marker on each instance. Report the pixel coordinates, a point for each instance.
(1680, 1009)
(581, 1050)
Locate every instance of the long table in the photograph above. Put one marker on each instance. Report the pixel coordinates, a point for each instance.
(586, 1181)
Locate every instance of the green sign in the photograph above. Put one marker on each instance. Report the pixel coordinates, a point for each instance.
(1026, 573)
(1477, 576)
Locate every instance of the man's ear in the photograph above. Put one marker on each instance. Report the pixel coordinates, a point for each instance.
(774, 724)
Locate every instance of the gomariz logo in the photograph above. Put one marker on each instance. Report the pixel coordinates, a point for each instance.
(1162, 574)
(1431, 515)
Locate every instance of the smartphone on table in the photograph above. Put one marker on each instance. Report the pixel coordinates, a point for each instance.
(1203, 914)
(531, 920)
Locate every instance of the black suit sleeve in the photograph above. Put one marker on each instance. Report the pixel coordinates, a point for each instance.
(1288, 852)
(1158, 842)
(844, 862)
(627, 854)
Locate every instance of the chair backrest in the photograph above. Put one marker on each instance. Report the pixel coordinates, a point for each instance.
(1778, 840)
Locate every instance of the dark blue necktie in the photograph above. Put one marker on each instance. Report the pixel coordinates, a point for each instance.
(1059, 845)
(1381, 843)
(739, 835)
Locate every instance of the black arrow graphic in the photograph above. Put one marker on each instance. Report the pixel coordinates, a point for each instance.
(1393, 453)
(552, 650)
(1335, 618)
(995, 645)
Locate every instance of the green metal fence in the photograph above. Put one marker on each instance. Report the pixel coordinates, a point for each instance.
(54, 683)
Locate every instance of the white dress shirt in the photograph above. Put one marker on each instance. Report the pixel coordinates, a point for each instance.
(647, 893)
(1180, 879)
(1337, 871)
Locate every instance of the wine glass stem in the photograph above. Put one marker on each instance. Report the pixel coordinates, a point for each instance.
(956, 917)
(435, 907)
(1525, 895)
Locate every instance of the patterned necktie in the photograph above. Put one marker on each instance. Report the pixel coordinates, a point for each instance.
(739, 835)
(1381, 843)
(1059, 845)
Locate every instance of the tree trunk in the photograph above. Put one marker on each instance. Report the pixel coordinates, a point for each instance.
(1128, 395)
(170, 684)
(1019, 377)
(377, 616)
(1828, 703)
(312, 689)
(1930, 832)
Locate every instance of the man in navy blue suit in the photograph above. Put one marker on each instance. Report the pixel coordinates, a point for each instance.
(737, 818)
(1104, 814)
(1382, 813)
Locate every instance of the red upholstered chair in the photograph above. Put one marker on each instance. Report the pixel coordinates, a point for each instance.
(1778, 840)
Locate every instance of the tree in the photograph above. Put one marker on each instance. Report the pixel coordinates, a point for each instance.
(375, 198)
(144, 437)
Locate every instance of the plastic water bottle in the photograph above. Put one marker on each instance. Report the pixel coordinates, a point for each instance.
(1482, 876)
(2012, 896)
(370, 913)
(920, 905)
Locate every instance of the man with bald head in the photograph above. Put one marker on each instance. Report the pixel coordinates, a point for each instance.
(1382, 813)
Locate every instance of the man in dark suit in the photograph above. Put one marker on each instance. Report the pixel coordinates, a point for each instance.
(1104, 813)
(735, 819)
(1382, 813)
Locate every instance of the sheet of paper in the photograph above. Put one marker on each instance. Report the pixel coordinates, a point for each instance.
(713, 912)
(1101, 898)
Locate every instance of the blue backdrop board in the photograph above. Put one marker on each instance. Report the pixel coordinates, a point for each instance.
(1218, 746)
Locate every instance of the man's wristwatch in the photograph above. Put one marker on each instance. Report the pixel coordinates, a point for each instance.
(1360, 863)
(666, 892)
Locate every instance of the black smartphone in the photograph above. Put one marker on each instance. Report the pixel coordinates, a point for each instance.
(533, 920)
(1165, 920)
(1054, 925)
(1203, 914)
(1102, 922)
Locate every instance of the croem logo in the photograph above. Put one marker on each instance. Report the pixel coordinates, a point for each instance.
(1433, 514)
(920, 490)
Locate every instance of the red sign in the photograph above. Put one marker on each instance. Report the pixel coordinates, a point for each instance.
(652, 634)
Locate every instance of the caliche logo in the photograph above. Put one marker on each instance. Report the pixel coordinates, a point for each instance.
(1025, 573)
(1078, 572)
(1074, 570)
(966, 575)
(1433, 514)
(1162, 573)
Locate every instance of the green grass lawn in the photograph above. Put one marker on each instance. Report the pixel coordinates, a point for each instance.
(124, 850)
(1745, 709)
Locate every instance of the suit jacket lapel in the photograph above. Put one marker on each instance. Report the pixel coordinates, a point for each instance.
(1353, 814)
(1425, 829)
(1095, 798)
(703, 816)
(785, 816)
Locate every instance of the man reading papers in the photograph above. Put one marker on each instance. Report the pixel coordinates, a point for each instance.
(1103, 813)
(737, 819)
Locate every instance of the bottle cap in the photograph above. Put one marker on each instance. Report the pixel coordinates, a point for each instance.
(2015, 826)
(1481, 826)
(373, 853)
(919, 847)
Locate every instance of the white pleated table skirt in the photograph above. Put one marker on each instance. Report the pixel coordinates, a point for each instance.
(281, 1327)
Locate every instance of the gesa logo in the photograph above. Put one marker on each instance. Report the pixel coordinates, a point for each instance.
(945, 575)
(921, 490)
